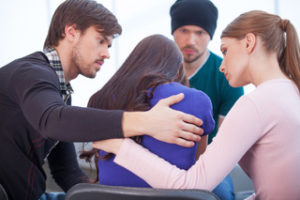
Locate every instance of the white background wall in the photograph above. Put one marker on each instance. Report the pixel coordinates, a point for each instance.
(24, 25)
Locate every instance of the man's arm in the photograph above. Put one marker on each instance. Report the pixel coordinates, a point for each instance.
(164, 123)
(37, 93)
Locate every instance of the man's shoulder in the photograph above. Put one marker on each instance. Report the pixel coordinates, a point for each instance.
(36, 58)
(34, 64)
(33, 67)
(36, 61)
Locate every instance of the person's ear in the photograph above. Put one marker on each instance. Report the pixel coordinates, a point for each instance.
(250, 42)
(71, 33)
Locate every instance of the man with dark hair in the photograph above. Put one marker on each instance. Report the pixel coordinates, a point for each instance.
(37, 121)
(193, 24)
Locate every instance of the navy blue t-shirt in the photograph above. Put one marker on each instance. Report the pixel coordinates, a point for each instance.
(195, 102)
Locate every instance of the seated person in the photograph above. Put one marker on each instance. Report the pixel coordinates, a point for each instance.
(153, 71)
(261, 131)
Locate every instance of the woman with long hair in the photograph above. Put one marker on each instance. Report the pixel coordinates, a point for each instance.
(152, 71)
(261, 131)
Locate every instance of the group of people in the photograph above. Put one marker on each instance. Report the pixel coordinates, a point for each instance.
(173, 115)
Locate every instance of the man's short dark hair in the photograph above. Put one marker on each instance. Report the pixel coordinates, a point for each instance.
(83, 14)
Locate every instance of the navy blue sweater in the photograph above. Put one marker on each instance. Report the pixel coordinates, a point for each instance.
(195, 102)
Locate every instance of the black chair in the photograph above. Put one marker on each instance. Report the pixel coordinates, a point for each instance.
(84, 191)
(3, 194)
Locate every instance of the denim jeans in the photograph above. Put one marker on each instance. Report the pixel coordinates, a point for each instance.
(53, 196)
(225, 189)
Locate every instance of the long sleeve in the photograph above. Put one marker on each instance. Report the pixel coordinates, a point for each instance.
(240, 130)
(36, 90)
(33, 117)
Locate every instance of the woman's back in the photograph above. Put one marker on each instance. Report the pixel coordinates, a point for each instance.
(195, 103)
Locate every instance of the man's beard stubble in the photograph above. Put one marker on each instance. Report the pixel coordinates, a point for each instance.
(191, 60)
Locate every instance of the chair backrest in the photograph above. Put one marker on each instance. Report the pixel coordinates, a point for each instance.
(102, 192)
(3, 194)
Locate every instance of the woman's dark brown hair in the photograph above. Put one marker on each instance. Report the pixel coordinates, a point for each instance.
(154, 61)
(278, 35)
(83, 14)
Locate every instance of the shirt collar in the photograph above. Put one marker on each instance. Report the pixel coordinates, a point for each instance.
(55, 63)
(200, 67)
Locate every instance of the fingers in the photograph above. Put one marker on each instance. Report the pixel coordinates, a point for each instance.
(172, 99)
(189, 136)
(192, 120)
(189, 132)
(184, 143)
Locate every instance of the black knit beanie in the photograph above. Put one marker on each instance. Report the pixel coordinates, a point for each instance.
(201, 13)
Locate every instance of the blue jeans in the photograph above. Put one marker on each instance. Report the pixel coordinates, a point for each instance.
(225, 189)
(53, 196)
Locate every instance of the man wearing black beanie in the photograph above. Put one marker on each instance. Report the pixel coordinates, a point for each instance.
(193, 24)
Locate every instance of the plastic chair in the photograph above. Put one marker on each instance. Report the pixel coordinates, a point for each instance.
(3, 194)
(102, 192)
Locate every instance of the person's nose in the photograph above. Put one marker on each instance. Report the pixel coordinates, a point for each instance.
(222, 67)
(104, 53)
(191, 39)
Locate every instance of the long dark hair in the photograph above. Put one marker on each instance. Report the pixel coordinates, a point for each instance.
(278, 35)
(154, 61)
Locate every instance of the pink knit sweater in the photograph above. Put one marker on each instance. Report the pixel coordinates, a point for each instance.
(261, 132)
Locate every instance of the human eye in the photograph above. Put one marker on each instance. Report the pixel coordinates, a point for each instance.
(224, 51)
(104, 42)
(183, 30)
(199, 32)
(101, 41)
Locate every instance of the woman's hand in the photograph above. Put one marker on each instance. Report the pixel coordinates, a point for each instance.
(110, 145)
